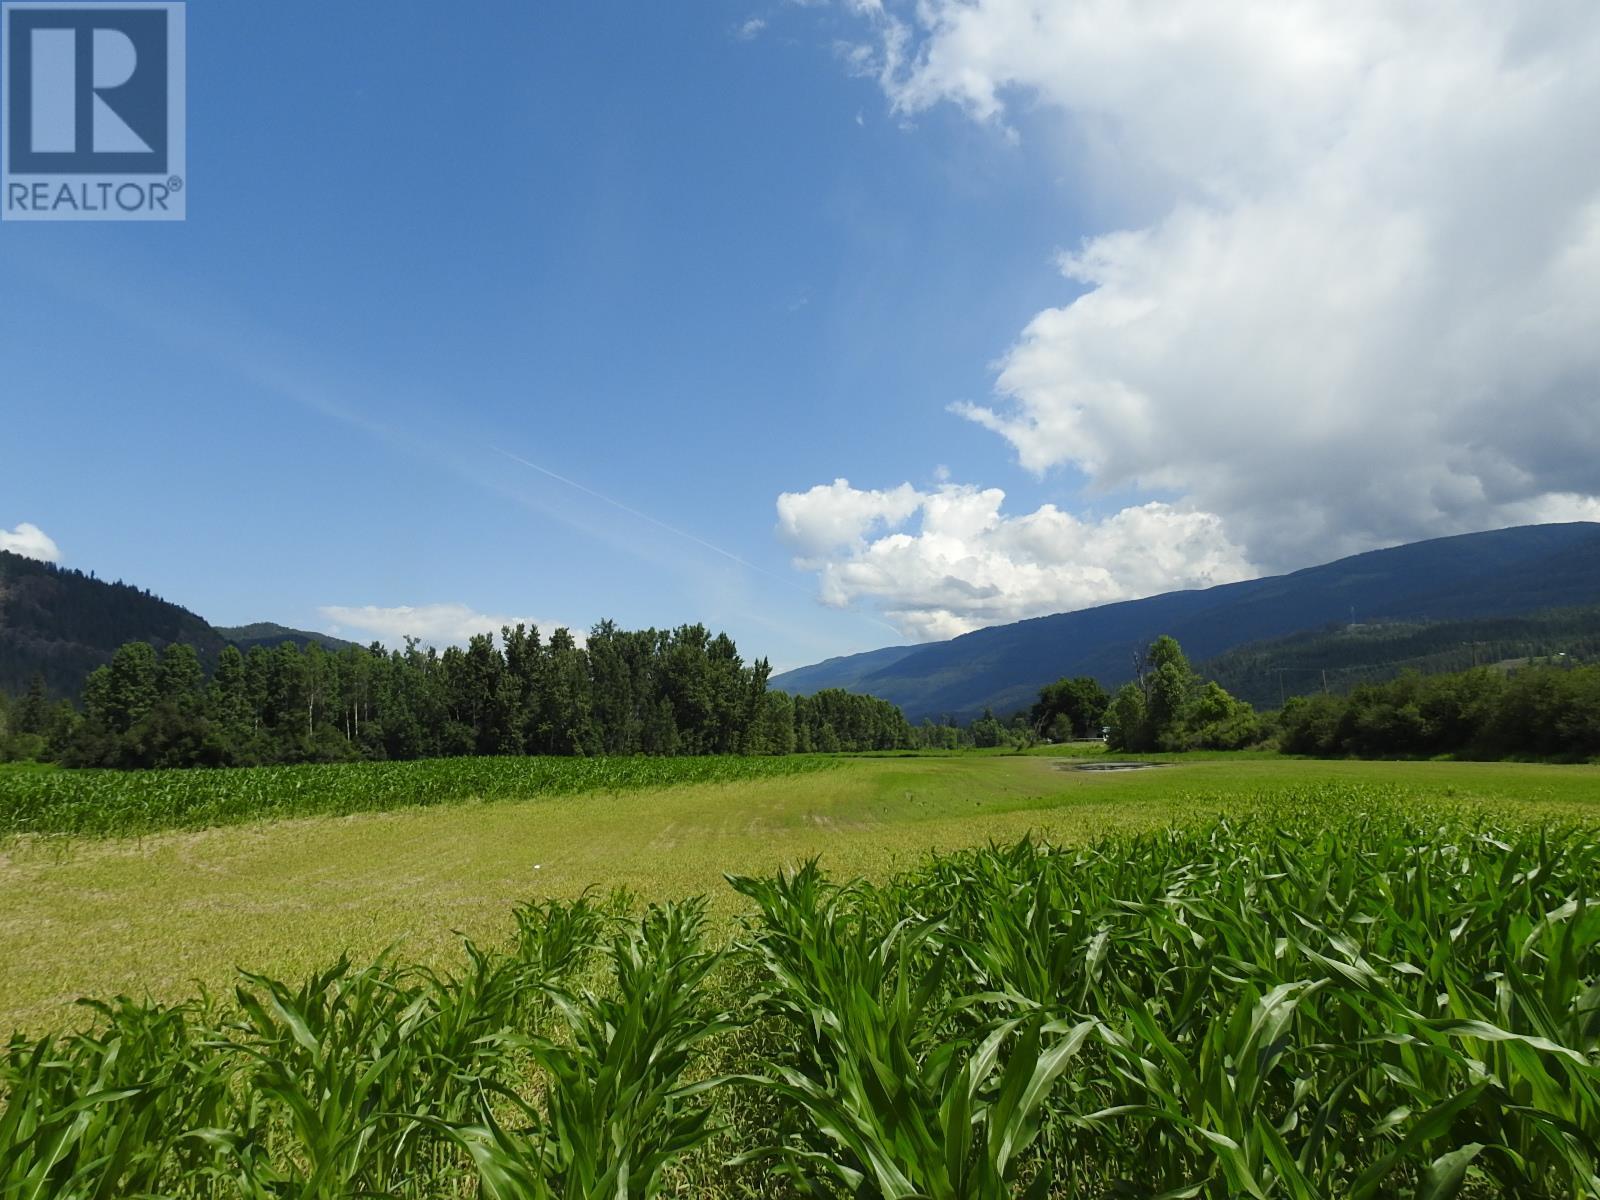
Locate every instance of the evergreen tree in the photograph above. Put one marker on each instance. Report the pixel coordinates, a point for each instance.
(32, 715)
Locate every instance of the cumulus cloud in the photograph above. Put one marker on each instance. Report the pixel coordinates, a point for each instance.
(434, 624)
(30, 541)
(1349, 291)
(963, 563)
(836, 514)
(750, 30)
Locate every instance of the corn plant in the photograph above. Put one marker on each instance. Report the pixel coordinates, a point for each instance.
(617, 1101)
(1342, 996)
(901, 1098)
(1329, 1000)
(109, 1113)
(102, 803)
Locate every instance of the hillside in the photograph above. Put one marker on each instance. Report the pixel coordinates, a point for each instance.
(1506, 572)
(1341, 658)
(269, 634)
(63, 624)
(847, 671)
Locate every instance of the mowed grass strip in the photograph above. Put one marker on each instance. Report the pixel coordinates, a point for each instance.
(163, 914)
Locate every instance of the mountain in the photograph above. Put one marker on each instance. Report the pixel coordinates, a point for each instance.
(269, 635)
(63, 624)
(846, 672)
(1338, 659)
(1505, 572)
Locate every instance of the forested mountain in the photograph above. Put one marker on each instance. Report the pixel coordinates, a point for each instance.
(1506, 572)
(269, 635)
(62, 624)
(1336, 660)
(847, 672)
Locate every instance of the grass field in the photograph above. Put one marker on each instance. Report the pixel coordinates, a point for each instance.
(165, 913)
(1221, 978)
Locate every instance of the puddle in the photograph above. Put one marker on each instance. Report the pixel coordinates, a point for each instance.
(1113, 766)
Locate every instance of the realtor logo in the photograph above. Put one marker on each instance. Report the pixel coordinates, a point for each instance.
(92, 111)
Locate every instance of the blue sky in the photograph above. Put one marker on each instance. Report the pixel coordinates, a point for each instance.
(619, 241)
(693, 264)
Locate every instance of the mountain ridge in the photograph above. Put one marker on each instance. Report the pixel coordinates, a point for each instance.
(1495, 573)
(62, 623)
(270, 634)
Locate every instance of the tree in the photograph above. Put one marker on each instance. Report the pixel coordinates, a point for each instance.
(232, 717)
(855, 722)
(660, 735)
(1218, 721)
(1168, 708)
(23, 726)
(121, 693)
(987, 732)
(775, 730)
(614, 685)
(1170, 686)
(1128, 720)
(1081, 703)
(180, 680)
(571, 721)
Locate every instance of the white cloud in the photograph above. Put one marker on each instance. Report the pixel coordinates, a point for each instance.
(750, 30)
(434, 624)
(968, 564)
(1349, 291)
(834, 515)
(30, 541)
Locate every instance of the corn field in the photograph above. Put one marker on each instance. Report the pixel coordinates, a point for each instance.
(108, 803)
(1338, 1000)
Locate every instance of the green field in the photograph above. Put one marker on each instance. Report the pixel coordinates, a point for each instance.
(112, 803)
(160, 914)
(1226, 976)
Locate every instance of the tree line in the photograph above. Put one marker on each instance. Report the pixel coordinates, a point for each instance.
(1536, 711)
(660, 692)
(686, 691)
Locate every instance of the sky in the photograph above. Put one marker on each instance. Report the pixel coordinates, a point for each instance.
(833, 325)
